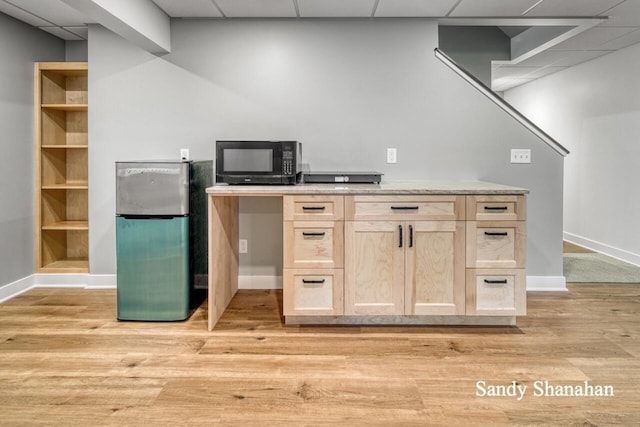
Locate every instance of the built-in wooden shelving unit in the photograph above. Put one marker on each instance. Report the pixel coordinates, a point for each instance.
(62, 179)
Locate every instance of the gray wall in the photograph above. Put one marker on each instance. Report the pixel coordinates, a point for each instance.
(20, 46)
(347, 89)
(76, 50)
(474, 48)
(594, 109)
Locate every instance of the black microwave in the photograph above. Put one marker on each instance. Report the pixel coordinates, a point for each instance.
(258, 162)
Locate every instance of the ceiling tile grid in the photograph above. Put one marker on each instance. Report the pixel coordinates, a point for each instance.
(620, 30)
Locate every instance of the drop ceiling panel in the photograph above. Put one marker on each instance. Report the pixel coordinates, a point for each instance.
(626, 14)
(623, 41)
(562, 58)
(414, 8)
(257, 8)
(335, 8)
(593, 38)
(61, 33)
(495, 8)
(54, 11)
(20, 14)
(572, 8)
(189, 8)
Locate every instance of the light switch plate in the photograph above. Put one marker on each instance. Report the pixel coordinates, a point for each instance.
(520, 156)
(243, 246)
(184, 154)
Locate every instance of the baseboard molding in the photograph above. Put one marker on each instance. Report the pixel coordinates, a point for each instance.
(613, 252)
(547, 283)
(259, 282)
(14, 289)
(80, 281)
(108, 281)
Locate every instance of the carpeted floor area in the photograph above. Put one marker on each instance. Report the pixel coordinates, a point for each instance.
(591, 267)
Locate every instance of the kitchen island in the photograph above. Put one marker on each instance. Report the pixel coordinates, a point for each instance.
(398, 252)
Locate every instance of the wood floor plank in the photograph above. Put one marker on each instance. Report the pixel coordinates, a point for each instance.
(66, 360)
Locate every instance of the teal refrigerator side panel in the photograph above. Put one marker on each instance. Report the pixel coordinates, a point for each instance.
(153, 269)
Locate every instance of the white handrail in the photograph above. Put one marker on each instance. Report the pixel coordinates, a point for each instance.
(501, 103)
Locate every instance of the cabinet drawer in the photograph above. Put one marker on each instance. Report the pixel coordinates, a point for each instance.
(499, 292)
(404, 208)
(499, 244)
(312, 292)
(313, 244)
(496, 208)
(313, 208)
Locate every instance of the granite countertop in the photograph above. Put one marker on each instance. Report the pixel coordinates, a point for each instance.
(385, 187)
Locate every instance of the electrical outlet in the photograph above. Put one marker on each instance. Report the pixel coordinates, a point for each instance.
(243, 247)
(391, 155)
(520, 156)
(184, 154)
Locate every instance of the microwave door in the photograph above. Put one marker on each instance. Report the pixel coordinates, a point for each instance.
(249, 160)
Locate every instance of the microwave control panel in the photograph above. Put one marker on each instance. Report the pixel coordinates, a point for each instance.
(287, 162)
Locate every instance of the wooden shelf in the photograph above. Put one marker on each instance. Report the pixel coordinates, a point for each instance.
(67, 225)
(64, 146)
(72, 265)
(66, 107)
(67, 186)
(61, 122)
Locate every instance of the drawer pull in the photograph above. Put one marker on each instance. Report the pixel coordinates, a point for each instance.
(313, 281)
(405, 208)
(495, 282)
(400, 233)
(495, 208)
(313, 234)
(313, 208)
(496, 233)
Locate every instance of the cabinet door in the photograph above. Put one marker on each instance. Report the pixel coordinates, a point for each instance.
(374, 267)
(435, 268)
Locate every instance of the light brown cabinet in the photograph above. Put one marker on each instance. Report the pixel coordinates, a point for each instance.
(410, 267)
(313, 234)
(61, 150)
(496, 246)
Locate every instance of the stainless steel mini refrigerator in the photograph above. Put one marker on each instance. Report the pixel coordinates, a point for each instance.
(161, 238)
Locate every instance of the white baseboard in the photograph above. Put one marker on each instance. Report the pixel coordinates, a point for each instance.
(259, 282)
(80, 281)
(547, 283)
(14, 289)
(613, 252)
(108, 281)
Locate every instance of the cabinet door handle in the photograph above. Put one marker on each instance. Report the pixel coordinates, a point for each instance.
(313, 233)
(400, 233)
(410, 236)
(495, 208)
(313, 208)
(495, 282)
(313, 281)
(496, 233)
(405, 208)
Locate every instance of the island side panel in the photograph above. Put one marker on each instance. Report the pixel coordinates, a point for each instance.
(223, 254)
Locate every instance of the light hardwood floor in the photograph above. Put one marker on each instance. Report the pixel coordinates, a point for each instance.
(65, 360)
